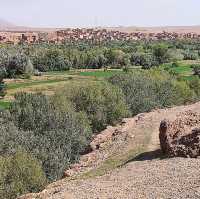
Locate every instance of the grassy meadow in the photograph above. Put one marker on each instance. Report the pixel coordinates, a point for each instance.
(49, 82)
(183, 68)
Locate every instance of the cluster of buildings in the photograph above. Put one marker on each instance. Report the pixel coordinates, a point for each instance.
(17, 37)
(93, 35)
(99, 35)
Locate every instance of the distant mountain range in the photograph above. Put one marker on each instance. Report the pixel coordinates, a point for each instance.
(4, 25)
(177, 29)
(7, 26)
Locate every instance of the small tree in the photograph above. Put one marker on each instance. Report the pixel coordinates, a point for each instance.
(190, 55)
(50, 60)
(2, 84)
(118, 58)
(161, 54)
(2, 89)
(146, 90)
(104, 104)
(54, 133)
(19, 64)
(196, 69)
(146, 60)
(20, 173)
(194, 84)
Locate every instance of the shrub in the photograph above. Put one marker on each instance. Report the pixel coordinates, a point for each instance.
(175, 64)
(20, 173)
(10, 135)
(190, 55)
(19, 64)
(4, 58)
(94, 59)
(154, 89)
(51, 60)
(161, 53)
(117, 58)
(126, 69)
(184, 93)
(194, 84)
(2, 84)
(104, 104)
(56, 137)
(175, 55)
(196, 69)
(15, 63)
(2, 89)
(145, 60)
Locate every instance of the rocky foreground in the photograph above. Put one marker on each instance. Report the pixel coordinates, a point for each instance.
(147, 174)
(181, 137)
(170, 178)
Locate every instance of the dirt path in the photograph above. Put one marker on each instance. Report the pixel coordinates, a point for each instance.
(145, 176)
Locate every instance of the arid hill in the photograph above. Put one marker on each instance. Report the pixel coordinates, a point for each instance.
(4, 25)
(7, 26)
(177, 29)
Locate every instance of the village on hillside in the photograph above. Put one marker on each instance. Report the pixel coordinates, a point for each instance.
(92, 34)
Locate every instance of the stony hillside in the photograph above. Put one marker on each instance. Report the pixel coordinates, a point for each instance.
(126, 162)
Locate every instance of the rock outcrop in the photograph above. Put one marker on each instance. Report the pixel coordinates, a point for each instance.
(181, 137)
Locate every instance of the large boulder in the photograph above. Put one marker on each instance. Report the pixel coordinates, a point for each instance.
(181, 137)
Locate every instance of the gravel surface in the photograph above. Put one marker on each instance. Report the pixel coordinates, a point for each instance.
(168, 178)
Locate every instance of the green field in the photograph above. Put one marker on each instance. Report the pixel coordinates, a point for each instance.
(51, 81)
(4, 104)
(100, 74)
(183, 69)
(33, 83)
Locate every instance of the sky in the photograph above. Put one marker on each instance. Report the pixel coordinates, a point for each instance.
(87, 13)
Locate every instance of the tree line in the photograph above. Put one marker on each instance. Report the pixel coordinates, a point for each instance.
(16, 60)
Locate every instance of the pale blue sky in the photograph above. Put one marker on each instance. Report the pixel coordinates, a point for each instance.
(70, 13)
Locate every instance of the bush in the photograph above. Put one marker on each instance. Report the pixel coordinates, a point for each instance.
(4, 58)
(161, 53)
(190, 55)
(55, 136)
(51, 60)
(104, 104)
(15, 63)
(117, 58)
(153, 89)
(194, 84)
(196, 69)
(175, 64)
(184, 94)
(2, 89)
(20, 173)
(19, 64)
(143, 59)
(175, 55)
(2, 84)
